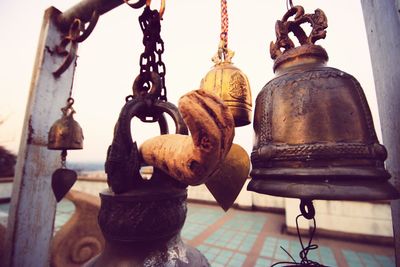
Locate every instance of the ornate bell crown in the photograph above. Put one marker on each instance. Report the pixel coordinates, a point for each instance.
(314, 134)
(283, 51)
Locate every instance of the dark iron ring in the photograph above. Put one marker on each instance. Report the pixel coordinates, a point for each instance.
(307, 208)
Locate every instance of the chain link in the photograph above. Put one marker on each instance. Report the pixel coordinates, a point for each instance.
(151, 58)
(64, 159)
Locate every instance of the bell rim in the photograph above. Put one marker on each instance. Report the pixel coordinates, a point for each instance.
(322, 173)
(328, 186)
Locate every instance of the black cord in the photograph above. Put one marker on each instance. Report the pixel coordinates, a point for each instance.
(305, 249)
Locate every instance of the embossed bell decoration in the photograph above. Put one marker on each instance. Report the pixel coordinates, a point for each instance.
(314, 134)
(226, 80)
(64, 134)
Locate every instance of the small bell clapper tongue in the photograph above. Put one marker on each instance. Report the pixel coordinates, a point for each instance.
(62, 179)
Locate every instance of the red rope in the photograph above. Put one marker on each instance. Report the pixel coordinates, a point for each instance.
(224, 21)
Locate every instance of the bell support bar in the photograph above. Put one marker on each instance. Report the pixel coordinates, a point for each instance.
(84, 10)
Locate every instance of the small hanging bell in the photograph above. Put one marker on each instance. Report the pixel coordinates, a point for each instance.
(314, 134)
(231, 85)
(227, 81)
(64, 134)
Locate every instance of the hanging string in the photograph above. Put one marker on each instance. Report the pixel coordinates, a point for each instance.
(308, 214)
(224, 22)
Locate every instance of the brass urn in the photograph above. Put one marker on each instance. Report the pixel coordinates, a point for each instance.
(314, 134)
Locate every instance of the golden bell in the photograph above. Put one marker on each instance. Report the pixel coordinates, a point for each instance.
(232, 86)
(66, 133)
(314, 134)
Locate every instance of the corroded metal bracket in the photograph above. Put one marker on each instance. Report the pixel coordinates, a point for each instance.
(73, 21)
(77, 33)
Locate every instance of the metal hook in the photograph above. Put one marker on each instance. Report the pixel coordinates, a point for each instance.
(307, 209)
(86, 32)
(73, 37)
(136, 5)
(162, 7)
(289, 3)
(70, 101)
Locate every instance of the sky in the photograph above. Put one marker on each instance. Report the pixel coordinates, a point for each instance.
(109, 59)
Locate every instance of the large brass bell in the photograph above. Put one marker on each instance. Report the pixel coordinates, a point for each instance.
(232, 86)
(64, 134)
(314, 134)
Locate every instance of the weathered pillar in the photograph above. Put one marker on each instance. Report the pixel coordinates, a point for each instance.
(33, 205)
(382, 24)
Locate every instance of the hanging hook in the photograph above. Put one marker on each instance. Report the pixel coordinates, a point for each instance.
(136, 5)
(307, 209)
(289, 4)
(74, 37)
(86, 32)
(162, 7)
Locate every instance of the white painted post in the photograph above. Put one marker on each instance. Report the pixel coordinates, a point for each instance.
(33, 205)
(382, 22)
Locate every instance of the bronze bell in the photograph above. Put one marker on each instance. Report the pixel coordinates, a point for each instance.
(231, 85)
(314, 134)
(66, 133)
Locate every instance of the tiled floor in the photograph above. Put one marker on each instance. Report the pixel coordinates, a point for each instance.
(248, 238)
(244, 238)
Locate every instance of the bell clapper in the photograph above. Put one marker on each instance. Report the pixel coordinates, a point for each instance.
(64, 159)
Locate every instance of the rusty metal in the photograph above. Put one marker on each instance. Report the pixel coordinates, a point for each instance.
(162, 7)
(123, 159)
(83, 11)
(66, 133)
(289, 4)
(135, 5)
(151, 58)
(141, 219)
(74, 37)
(314, 134)
(141, 228)
(62, 181)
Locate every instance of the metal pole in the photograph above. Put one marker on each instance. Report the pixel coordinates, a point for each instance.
(33, 205)
(382, 24)
(84, 10)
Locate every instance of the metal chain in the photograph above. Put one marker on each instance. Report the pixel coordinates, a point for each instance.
(64, 159)
(151, 58)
